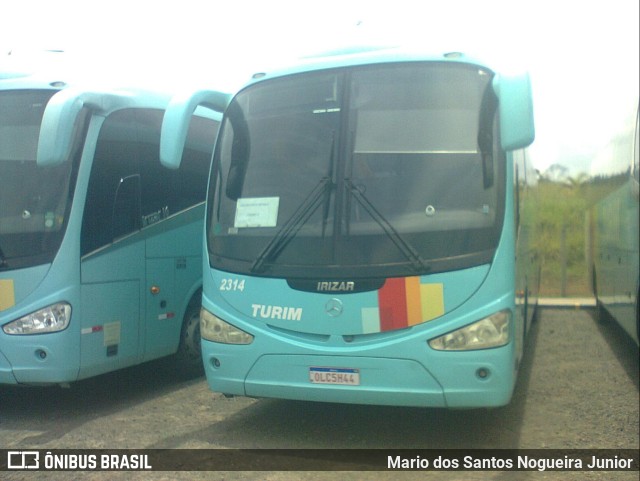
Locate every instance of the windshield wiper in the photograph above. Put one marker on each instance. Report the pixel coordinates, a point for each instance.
(417, 262)
(320, 194)
(289, 230)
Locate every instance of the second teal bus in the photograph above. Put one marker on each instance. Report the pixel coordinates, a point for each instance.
(100, 245)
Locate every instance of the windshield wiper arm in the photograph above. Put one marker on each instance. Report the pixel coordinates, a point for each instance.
(417, 262)
(289, 230)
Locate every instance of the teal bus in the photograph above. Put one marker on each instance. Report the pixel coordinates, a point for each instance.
(368, 233)
(100, 245)
(613, 228)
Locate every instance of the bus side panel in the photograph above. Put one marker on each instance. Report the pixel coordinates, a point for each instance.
(111, 310)
(607, 228)
(525, 218)
(616, 257)
(614, 241)
(161, 322)
(174, 267)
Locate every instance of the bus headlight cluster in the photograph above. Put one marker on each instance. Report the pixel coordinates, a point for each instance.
(212, 328)
(52, 318)
(492, 331)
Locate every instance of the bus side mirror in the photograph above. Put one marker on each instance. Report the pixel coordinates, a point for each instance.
(175, 124)
(56, 130)
(58, 127)
(517, 128)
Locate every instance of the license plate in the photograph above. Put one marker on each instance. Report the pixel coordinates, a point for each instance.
(334, 375)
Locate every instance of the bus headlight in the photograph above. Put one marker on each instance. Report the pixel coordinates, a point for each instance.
(212, 328)
(52, 318)
(492, 331)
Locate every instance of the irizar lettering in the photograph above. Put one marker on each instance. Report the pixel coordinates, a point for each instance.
(335, 286)
(277, 312)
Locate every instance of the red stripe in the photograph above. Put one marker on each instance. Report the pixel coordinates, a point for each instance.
(392, 302)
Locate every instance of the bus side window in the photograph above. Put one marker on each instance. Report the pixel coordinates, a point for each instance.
(194, 169)
(158, 183)
(126, 207)
(165, 191)
(115, 159)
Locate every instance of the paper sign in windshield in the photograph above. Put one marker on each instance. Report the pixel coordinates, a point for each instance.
(257, 212)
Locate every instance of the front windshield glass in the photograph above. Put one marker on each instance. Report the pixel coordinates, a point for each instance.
(33, 200)
(371, 171)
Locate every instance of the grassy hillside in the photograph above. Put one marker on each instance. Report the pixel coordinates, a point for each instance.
(562, 233)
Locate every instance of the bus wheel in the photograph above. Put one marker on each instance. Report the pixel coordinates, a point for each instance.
(189, 351)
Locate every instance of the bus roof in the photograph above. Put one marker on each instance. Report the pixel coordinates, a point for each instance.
(364, 56)
(131, 96)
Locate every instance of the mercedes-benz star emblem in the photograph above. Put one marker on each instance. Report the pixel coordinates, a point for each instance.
(333, 307)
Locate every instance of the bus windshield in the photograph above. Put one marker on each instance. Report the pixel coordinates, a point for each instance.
(384, 170)
(34, 200)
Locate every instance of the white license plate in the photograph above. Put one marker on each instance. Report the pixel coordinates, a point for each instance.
(334, 375)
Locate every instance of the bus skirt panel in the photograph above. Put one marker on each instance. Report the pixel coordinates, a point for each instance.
(364, 380)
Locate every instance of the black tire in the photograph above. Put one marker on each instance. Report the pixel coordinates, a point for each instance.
(189, 352)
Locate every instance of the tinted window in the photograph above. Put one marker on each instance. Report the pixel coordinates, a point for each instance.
(359, 172)
(129, 189)
(35, 201)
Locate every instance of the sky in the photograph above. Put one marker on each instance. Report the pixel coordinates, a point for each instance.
(583, 56)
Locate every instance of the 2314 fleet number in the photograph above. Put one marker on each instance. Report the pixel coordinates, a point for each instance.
(232, 285)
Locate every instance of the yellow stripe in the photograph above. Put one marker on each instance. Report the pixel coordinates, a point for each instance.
(432, 301)
(7, 295)
(414, 301)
